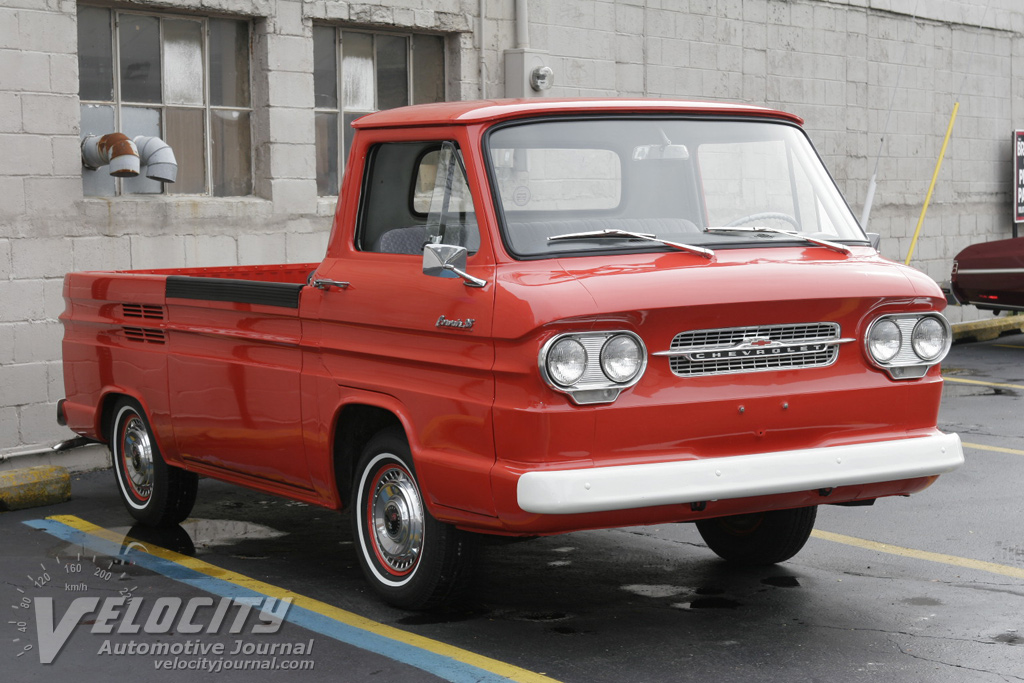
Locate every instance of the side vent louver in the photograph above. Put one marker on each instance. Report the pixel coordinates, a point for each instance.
(143, 311)
(144, 335)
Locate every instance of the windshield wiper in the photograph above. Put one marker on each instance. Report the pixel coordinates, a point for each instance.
(834, 246)
(625, 234)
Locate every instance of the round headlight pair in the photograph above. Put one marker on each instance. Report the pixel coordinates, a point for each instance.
(621, 359)
(929, 339)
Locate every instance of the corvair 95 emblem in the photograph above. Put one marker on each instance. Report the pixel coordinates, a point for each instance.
(458, 323)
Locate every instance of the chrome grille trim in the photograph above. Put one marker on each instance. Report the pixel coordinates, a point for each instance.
(757, 348)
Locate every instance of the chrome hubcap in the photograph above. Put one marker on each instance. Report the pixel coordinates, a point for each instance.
(137, 457)
(396, 516)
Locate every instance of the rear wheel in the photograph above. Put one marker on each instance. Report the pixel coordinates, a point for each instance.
(760, 538)
(154, 492)
(411, 560)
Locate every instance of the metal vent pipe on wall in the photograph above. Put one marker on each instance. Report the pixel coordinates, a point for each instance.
(125, 156)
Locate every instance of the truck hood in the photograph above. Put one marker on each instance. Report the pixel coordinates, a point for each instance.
(738, 287)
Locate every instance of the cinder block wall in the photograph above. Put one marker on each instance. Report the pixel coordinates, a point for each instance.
(834, 62)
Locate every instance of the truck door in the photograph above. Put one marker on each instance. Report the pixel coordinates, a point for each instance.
(416, 344)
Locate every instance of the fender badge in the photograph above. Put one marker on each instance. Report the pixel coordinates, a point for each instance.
(466, 324)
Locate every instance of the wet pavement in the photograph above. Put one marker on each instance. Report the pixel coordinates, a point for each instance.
(927, 588)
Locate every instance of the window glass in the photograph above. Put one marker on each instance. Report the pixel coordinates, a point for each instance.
(229, 63)
(325, 67)
(426, 177)
(428, 74)
(230, 144)
(440, 207)
(392, 72)
(357, 90)
(185, 136)
(589, 181)
(183, 62)
(739, 176)
(558, 179)
(139, 41)
(95, 56)
(326, 153)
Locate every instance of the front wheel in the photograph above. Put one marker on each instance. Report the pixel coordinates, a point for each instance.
(411, 560)
(154, 492)
(760, 538)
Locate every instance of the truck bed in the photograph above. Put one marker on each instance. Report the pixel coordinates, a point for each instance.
(121, 328)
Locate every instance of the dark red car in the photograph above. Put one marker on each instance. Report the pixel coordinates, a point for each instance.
(991, 275)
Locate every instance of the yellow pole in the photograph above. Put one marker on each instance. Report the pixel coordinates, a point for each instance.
(931, 188)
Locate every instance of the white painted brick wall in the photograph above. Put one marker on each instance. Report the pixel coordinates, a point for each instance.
(833, 62)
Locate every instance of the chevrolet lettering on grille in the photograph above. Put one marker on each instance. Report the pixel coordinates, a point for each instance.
(749, 348)
(754, 349)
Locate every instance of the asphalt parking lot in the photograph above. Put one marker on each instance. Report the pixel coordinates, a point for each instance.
(928, 588)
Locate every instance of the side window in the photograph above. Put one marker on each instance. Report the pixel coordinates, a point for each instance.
(415, 193)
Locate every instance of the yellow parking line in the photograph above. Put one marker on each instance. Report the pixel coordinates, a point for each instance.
(952, 560)
(486, 664)
(997, 449)
(960, 380)
(1009, 346)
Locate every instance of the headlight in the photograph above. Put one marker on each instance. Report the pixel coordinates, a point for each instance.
(593, 367)
(567, 361)
(621, 358)
(884, 340)
(907, 345)
(929, 339)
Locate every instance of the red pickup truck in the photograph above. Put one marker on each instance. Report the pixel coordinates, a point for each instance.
(534, 317)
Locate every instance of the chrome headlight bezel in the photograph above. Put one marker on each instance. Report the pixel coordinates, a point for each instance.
(908, 362)
(594, 385)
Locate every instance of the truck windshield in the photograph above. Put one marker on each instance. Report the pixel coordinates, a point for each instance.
(668, 178)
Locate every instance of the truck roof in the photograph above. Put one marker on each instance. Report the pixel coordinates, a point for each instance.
(481, 111)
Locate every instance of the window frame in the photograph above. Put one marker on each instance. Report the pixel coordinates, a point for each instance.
(340, 110)
(117, 103)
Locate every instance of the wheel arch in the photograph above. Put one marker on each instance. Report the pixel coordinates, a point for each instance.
(105, 413)
(354, 426)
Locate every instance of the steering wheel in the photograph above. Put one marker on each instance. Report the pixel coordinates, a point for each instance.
(774, 215)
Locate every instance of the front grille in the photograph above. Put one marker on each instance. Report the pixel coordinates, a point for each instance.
(754, 349)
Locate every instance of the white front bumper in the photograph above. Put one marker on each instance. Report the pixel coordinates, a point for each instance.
(599, 489)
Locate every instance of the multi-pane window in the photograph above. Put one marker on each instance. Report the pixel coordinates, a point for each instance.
(182, 79)
(356, 73)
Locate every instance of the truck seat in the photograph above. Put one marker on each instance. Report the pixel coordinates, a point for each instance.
(412, 239)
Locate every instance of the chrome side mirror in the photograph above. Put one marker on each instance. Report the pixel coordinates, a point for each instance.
(448, 260)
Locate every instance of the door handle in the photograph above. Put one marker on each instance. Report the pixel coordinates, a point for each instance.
(327, 284)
